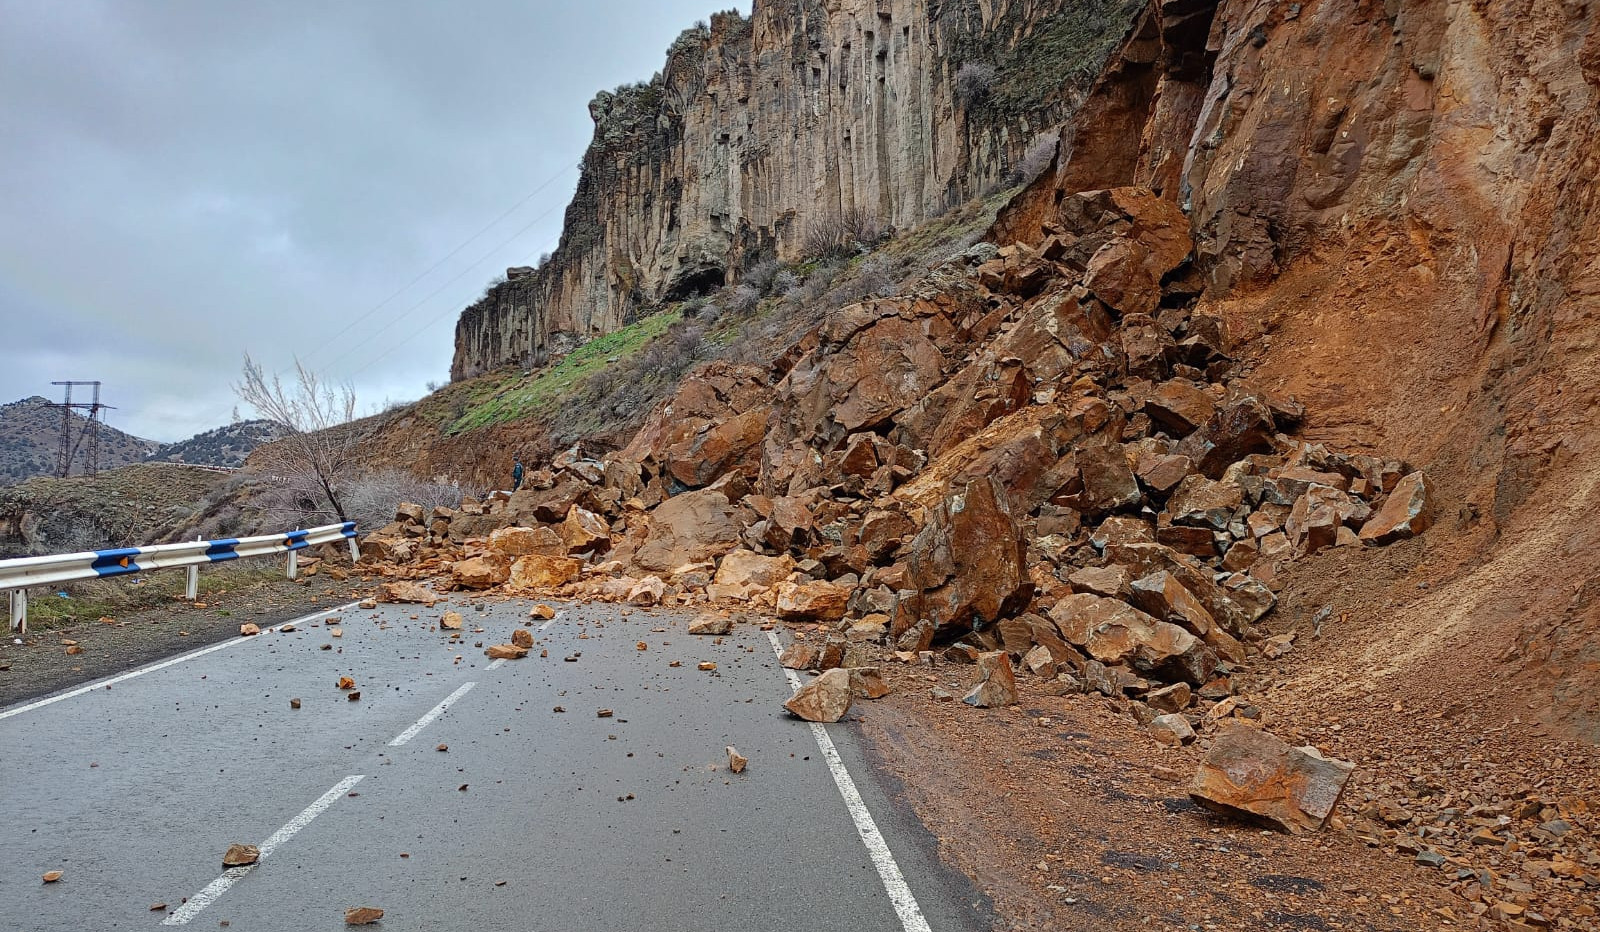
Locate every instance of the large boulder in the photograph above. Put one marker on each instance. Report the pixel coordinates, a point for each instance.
(997, 683)
(689, 528)
(1317, 516)
(482, 572)
(538, 571)
(1241, 427)
(1256, 775)
(825, 699)
(744, 574)
(521, 541)
(812, 601)
(1114, 632)
(1407, 512)
(969, 560)
(407, 592)
(583, 531)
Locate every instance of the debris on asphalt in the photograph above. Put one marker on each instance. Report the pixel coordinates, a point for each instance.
(542, 611)
(353, 696)
(522, 637)
(240, 855)
(294, 703)
(363, 915)
(825, 699)
(336, 632)
(707, 665)
(346, 682)
(442, 747)
(249, 628)
(711, 623)
(52, 876)
(450, 622)
(736, 761)
(506, 652)
(603, 713)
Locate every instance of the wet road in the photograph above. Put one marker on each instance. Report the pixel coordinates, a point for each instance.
(532, 819)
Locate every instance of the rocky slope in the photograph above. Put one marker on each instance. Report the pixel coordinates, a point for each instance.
(758, 130)
(222, 446)
(30, 439)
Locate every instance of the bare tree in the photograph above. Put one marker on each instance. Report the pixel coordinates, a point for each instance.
(316, 456)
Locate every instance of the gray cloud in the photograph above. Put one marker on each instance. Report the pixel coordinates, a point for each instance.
(188, 180)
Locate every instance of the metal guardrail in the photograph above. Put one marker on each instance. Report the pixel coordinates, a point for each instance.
(19, 574)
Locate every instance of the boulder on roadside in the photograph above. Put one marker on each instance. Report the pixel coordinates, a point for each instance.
(483, 572)
(867, 683)
(688, 528)
(711, 623)
(523, 638)
(407, 592)
(1252, 774)
(537, 571)
(825, 699)
(969, 560)
(1114, 632)
(996, 686)
(520, 541)
(647, 591)
(583, 531)
(812, 601)
(744, 574)
(506, 652)
(451, 621)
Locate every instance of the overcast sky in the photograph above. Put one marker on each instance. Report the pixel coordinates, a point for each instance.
(182, 181)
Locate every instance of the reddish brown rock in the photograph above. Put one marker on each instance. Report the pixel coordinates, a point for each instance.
(744, 574)
(481, 572)
(362, 915)
(867, 683)
(1107, 480)
(506, 652)
(451, 621)
(249, 628)
(825, 699)
(523, 638)
(240, 855)
(688, 528)
(997, 684)
(583, 531)
(1111, 581)
(1114, 632)
(1318, 515)
(714, 623)
(521, 541)
(1238, 429)
(407, 592)
(1180, 406)
(1118, 275)
(535, 572)
(647, 591)
(812, 601)
(969, 560)
(1253, 774)
(800, 656)
(1407, 512)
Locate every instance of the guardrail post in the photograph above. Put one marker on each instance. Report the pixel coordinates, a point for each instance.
(294, 563)
(355, 552)
(19, 611)
(191, 589)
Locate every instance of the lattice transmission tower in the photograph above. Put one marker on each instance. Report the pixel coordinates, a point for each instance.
(87, 437)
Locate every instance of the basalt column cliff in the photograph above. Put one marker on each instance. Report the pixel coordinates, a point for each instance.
(758, 128)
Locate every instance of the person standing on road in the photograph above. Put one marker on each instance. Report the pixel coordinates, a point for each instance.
(516, 473)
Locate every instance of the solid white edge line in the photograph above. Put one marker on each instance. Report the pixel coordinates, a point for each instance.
(433, 713)
(894, 882)
(233, 875)
(162, 665)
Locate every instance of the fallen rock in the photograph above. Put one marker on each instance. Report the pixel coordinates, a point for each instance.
(537, 571)
(1407, 512)
(736, 761)
(969, 560)
(1171, 728)
(688, 528)
(1253, 774)
(240, 855)
(522, 637)
(825, 699)
(583, 531)
(481, 572)
(542, 611)
(1113, 632)
(813, 601)
(52, 876)
(996, 686)
(506, 652)
(744, 573)
(402, 591)
(450, 622)
(867, 683)
(711, 623)
(647, 591)
(247, 629)
(513, 542)
(362, 915)
(799, 656)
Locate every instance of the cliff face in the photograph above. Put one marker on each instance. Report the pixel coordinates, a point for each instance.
(757, 129)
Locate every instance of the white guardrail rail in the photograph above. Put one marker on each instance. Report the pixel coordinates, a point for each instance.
(19, 574)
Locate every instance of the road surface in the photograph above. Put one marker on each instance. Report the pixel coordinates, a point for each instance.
(532, 819)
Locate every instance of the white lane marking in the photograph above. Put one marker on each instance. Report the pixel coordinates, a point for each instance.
(162, 665)
(433, 713)
(232, 875)
(894, 883)
(496, 664)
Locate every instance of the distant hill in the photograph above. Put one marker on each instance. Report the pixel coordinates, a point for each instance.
(30, 438)
(223, 446)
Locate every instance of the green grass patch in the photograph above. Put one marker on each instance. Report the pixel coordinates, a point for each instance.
(515, 398)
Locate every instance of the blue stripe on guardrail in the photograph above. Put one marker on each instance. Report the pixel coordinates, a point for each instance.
(349, 529)
(296, 540)
(222, 550)
(115, 562)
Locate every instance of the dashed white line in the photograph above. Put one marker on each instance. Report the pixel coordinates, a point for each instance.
(433, 713)
(894, 882)
(233, 875)
(122, 677)
(496, 664)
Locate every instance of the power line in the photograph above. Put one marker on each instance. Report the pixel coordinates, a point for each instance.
(447, 257)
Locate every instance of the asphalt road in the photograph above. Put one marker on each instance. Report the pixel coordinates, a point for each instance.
(531, 820)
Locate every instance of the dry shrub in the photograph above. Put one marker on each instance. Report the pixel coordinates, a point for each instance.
(840, 235)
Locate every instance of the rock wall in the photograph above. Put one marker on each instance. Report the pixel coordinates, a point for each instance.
(758, 128)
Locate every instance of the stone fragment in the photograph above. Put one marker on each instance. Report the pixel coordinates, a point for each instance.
(736, 761)
(647, 591)
(367, 603)
(1174, 698)
(996, 685)
(402, 591)
(346, 682)
(744, 574)
(1319, 514)
(706, 666)
(1171, 729)
(867, 683)
(812, 601)
(294, 703)
(240, 855)
(1407, 512)
(969, 559)
(583, 531)
(451, 621)
(362, 915)
(52, 876)
(522, 637)
(1180, 406)
(506, 652)
(1253, 774)
(542, 610)
(711, 623)
(825, 699)
(1109, 581)
(1108, 481)
(1238, 429)
(481, 572)
(688, 528)
(513, 542)
(799, 656)
(536, 571)
(247, 629)
(1114, 632)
